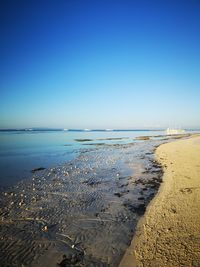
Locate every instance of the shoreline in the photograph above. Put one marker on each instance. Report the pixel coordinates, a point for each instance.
(169, 233)
(112, 185)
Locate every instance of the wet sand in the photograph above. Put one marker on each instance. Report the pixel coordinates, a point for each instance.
(169, 233)
(87, 208)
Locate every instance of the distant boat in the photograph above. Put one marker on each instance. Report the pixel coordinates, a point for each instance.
(171, 131)
(86, 129)
(65, 129)
(109, 130)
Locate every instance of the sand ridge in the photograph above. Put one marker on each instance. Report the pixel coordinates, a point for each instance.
(169, 233)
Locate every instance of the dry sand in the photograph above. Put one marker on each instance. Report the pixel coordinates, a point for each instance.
(169, 233)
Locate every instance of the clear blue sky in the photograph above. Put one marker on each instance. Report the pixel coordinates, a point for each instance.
(99, 64)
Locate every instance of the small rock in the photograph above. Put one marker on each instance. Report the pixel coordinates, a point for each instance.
(118, 194)
(45, 228)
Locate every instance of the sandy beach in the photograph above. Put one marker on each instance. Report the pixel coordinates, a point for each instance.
(87, 209)
(169, 233)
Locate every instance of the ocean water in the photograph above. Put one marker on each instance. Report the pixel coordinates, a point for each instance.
(23, 151)
(99, 184)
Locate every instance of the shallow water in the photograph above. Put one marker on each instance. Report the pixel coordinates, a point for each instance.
(22, 151)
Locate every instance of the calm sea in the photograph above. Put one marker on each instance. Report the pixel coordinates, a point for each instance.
(23, 151)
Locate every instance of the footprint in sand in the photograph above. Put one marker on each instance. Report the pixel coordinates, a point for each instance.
(187, 177)
(186, 190)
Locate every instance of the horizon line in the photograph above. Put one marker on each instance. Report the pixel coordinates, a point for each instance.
(95, 129)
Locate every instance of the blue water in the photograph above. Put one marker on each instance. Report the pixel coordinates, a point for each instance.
(22, 151)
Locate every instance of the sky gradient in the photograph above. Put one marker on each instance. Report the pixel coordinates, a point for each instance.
(99, 64)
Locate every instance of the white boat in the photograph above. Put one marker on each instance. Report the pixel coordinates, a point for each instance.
(171, 131)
